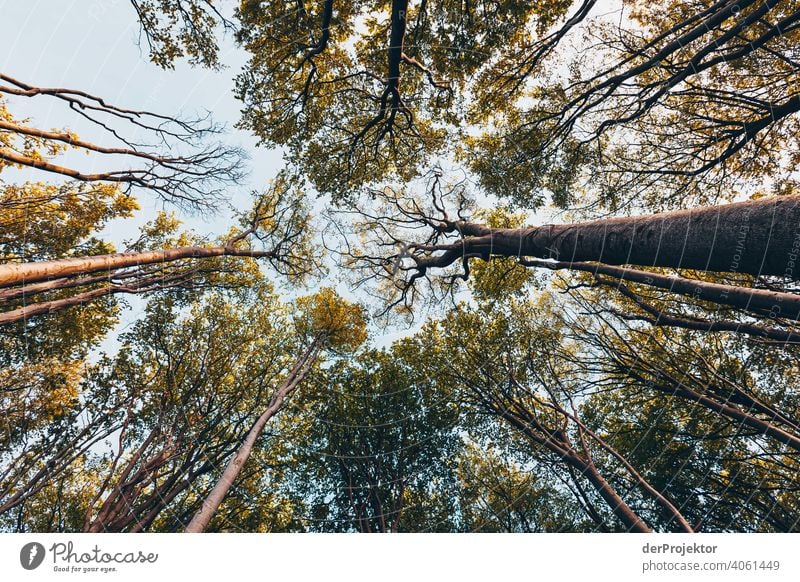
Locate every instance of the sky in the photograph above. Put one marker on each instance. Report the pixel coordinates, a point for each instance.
(92, 45)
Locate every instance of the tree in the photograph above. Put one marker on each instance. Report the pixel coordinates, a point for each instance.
(41, 222)
(326, 322)
(36, 263)
(416, 248)
(197, 379)
(53, 425)
(570, 388)
(666, 105)
(376, 455)
(156, 262)
(162, 415)
(726, 473)
(307, 95)
(521, 384)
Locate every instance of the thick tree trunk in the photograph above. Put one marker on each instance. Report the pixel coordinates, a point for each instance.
(760, 237)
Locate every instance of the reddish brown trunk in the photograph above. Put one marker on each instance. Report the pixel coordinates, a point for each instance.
(211, 504)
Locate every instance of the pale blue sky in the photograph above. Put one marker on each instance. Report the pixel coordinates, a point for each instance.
(92, 45)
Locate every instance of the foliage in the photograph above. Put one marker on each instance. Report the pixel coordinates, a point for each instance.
(181, 28)
(352, 110)
(335, 322)
(598, 398)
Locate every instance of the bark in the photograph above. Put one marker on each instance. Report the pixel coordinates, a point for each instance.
(52, 285)
(663, 319)
(759, 237)
(396, 39)
(762, 301)
(144, 285)
(732, 412)
(666, 505)
(585, 467)
(24, 313)
(211, 504)
(23, 273)
(658, 317)
(622, 510)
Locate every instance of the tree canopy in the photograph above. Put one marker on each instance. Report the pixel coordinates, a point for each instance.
(586, 211)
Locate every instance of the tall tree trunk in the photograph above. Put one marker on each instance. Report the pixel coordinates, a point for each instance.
(12, 274)
(211, 504)
(585, 466)
(622, 510)
(759, 237)
(728, 410)
(761, 301)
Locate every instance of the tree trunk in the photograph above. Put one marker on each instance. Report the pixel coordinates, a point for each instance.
(732, 412)
(12, 274)
(762, 301)
(568, 455)
(622, 510)
(211, 504)
(759, 237)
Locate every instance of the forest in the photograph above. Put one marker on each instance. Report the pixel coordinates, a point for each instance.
(524, 267)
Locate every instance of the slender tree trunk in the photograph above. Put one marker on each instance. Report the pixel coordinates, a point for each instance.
(151, 283)
(570, 457)
(660, 318)
(732, 412)
(55, 305)
(211, 504)
(622, 510)
(112, 501)
(760, 237)
(668, 507)
(12, 274)
(51, 285)
(762, 301)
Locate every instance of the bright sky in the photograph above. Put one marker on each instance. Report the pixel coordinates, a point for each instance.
(93, 46)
